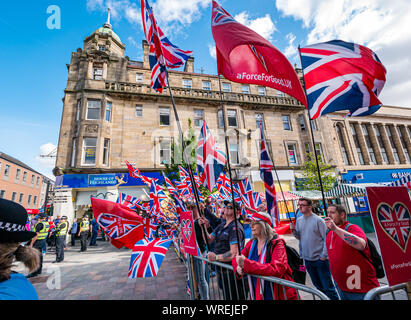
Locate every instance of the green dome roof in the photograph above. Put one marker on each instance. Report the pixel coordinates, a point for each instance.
(108, 31)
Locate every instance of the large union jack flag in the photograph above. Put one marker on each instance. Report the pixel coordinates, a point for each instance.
(147, 257)
(396, 222)
(266, 175)
(342, 76)
(210, 160)
(129, 201)
(162, 53)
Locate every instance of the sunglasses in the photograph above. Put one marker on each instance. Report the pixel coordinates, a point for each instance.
(229, 207)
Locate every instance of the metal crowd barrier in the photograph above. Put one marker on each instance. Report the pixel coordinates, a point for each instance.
(377, 293)
(231, 288)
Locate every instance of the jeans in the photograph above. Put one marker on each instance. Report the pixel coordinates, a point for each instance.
(200, 274)
(320, 275)
(83, 239)
(73, 239)
(93, 238)
(60, 241)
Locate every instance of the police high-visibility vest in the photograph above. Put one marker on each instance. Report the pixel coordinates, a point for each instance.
(42, 234)
(84, 226)
(63, 230)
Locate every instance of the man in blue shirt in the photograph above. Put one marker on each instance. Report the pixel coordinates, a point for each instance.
(73, 232)
(94, 232)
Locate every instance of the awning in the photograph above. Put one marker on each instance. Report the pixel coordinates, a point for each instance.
(308, 194)
(404, 181)
(350, 190)
(287, 196)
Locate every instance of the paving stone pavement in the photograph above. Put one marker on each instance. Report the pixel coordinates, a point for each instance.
(101, 273)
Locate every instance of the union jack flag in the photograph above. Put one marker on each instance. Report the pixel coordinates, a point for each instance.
(147, 257)
(156, 196)
(128, 201)
(266, 175)
(210, 160)
(150, 226)
(173, 191)
(342, 76)
(162, 53)
(243, 188)
(221, 16)
(396, 222)
(135, 173)
(185, 187)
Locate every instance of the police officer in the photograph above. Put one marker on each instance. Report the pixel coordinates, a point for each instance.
(61, 232)
(83, 233)
(41, 228)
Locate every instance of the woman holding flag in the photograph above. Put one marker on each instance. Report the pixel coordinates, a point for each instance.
(265, 255)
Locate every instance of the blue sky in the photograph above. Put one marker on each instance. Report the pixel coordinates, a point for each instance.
(34, 57)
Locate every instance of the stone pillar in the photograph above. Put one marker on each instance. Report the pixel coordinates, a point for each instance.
(374, 143)
(386, 141)
(398, 144)
(406, 138)
(146, 63)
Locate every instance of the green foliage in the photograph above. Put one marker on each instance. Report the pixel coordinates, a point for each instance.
(310, 175)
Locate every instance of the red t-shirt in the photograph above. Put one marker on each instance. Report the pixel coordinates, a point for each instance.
(350, 269)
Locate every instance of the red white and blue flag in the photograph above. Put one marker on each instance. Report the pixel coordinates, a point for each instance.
(157, 195)
(174, 193)
(266, 175)
(342, 76)
(123, 226)
(135, 173)
(162, 53)
(129, 201)
(147, 256)
(210, 160)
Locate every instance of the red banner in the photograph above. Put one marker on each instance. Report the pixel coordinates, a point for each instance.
(390, 211)
(188, 233)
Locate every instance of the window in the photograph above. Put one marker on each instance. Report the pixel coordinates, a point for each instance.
(89, 151)
(404, 145)
(307, 150)
(261, 91)
(368, 143)
(38, 181)
(24, 176)
(198, 117)
(220, 118)
(232, 118)
(73, 156)
(165, 150)
(234, 158)
(342, 144)
(393, 147)
(139, 111)
(106, 151)
(13, 196)
(35, 200)
(93, 109)
(286, 122)
(206, 85)
(32, 180)
(139, 77)
(78, 110)
(108, 111)
(319, 150)
(21, 198)
(29, 199)
(102, 48)
(18, 174)
(314, 124)
(97, 73)
(226, 87)
(2, 194)
(259, 119)
(357, 143)
(381, 143)
(164, 116)
(292, 153)
(301, 120)
(6, 170)
(187, 83)
(245, 89)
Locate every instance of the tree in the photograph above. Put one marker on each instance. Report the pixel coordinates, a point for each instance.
(310, 175)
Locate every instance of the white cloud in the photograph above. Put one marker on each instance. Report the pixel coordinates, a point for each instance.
(380, 25)
(212, 50)
(291, 51)
(45, 159)
(264, 26)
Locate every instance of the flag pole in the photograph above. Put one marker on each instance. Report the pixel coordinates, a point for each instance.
(193, 183)
(312, 137)
(228, 164)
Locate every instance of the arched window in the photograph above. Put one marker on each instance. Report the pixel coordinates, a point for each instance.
(342, 143)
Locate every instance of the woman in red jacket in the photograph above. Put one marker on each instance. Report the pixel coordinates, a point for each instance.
(265, 255)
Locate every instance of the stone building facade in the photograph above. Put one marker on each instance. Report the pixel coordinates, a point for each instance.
(110, 114)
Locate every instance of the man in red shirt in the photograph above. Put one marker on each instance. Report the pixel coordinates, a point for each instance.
(349, 256)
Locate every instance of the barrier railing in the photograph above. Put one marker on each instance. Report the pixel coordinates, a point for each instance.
(220, 283)
(377, 293)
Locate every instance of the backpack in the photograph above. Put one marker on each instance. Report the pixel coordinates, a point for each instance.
(376, 260)
(294, 261)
